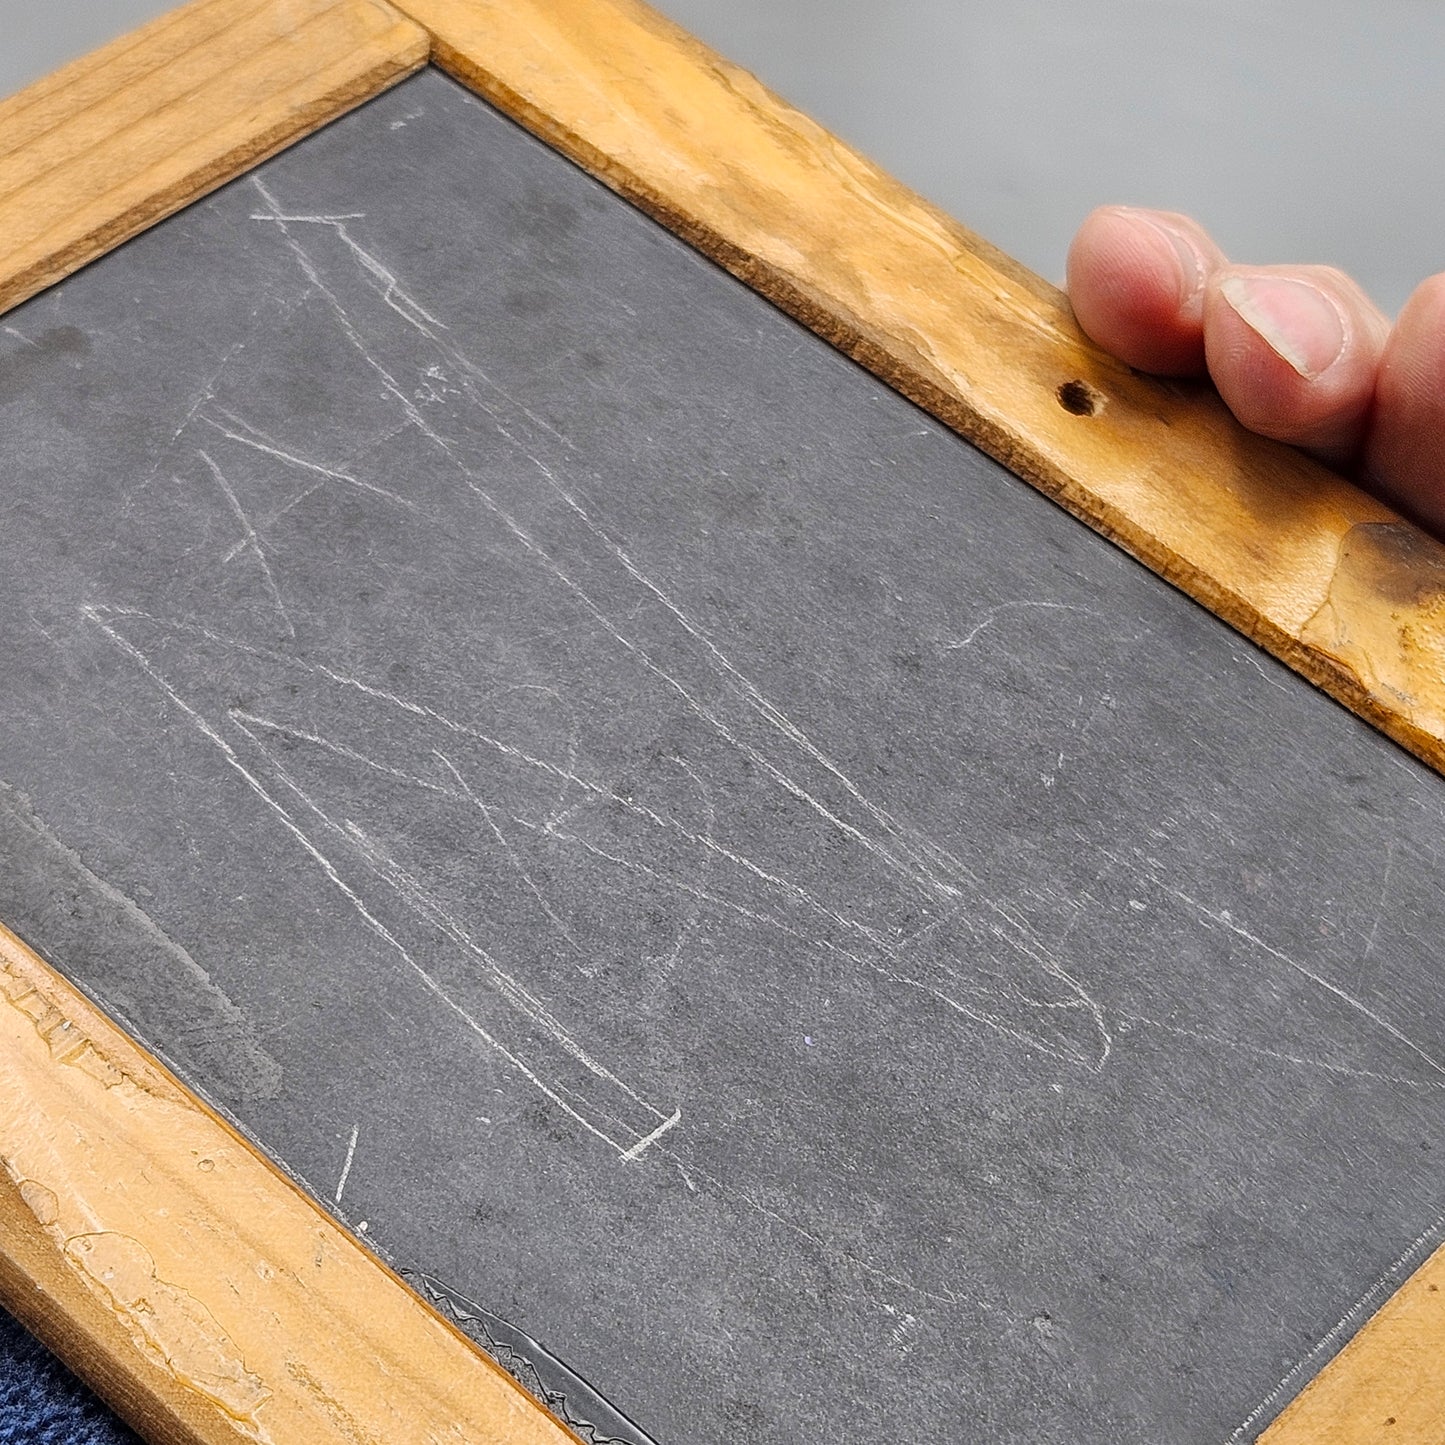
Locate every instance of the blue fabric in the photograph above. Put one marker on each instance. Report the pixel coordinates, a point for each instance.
(42, 1403)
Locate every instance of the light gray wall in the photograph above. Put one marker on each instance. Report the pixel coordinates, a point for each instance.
(1297, 131)
(36, 36)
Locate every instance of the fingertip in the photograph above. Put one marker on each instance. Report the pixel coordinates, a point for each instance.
(1294, 352)
(1405, 454)
(1136, 279)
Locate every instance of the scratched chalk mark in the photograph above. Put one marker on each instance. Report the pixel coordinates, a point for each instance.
(547, 1032)
(346, 1166)
(250, 541)
(379, 734)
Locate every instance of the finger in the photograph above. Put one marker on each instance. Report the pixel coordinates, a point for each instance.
(1405, 456)
(1137, 281)
(1294, 351)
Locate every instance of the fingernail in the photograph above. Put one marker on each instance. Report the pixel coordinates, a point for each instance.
(1300, 323)
(1193, 267)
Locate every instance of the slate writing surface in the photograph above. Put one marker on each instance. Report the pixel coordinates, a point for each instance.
(690, 853)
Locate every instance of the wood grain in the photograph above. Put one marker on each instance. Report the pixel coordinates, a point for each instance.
(122, 137)
(1323, 576)
(191, 1283)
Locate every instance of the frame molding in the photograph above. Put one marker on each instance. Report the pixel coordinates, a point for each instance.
(103, 1184)
(192, 1284)
(123, 137)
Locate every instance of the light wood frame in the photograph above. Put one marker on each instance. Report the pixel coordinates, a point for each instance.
(262, 1319)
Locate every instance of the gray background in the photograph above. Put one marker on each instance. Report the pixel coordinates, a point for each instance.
(1296, 131)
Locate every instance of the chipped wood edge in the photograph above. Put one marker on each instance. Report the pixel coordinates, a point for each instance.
(187, 1279)
(1327, 579)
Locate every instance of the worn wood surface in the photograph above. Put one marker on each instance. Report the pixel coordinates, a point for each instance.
(113, 142)
(193, 1285)
(1325, 577)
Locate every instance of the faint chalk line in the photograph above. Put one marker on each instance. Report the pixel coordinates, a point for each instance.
(398, 300)
(1379, 910)
(205, 394)
(958, 644)
(258, 441)
(240, 546)
(421, 902)
(1018, 937)
(430, 983)
(763, 705)
(1237, 1045)
(346, 1168)
(511, 853)
(595, 789)
(1224, 920)
(253, 542)
(828, 1250)
(909, 868)
(408, 307)
(666, 966)
(639, 1148)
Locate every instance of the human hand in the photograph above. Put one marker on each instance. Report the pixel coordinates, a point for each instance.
(1298, 353)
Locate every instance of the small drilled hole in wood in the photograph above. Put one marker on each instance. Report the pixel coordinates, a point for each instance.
(1080, 399)
(1389, 1419)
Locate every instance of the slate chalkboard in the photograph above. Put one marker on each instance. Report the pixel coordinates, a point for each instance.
(676, 845)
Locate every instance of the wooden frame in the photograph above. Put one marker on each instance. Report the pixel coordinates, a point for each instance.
(117, 1185)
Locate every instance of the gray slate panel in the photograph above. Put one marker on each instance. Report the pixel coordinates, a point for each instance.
(687, 851)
